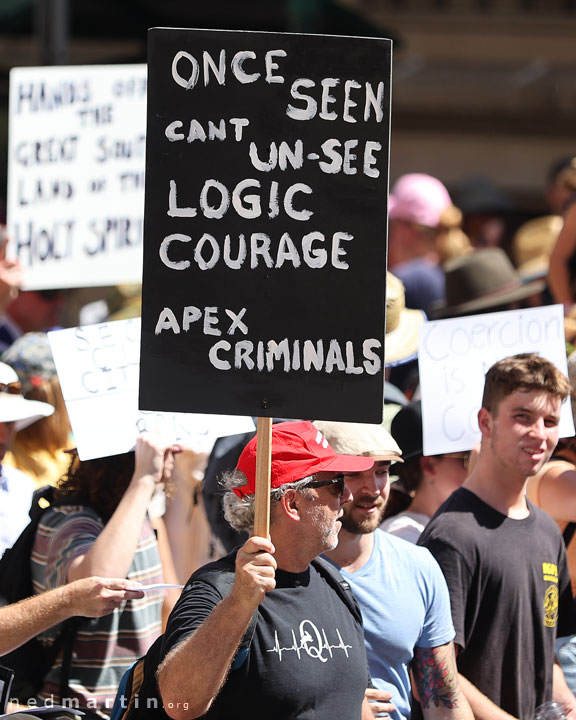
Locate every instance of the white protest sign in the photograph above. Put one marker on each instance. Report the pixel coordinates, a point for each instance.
(76, 161)
(98, 368)
(454, 356)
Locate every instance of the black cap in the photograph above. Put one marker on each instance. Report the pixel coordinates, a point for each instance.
(406, 429)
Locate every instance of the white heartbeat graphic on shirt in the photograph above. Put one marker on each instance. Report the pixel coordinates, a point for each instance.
(312, 641)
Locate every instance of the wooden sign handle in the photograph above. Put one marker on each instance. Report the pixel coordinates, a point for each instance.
(263, 465)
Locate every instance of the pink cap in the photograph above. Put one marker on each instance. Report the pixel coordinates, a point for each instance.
(418, 198)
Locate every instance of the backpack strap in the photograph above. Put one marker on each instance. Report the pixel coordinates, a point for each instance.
(6, 678)
(65, 640)
(138, 685)
(339, 584)
(43, 499)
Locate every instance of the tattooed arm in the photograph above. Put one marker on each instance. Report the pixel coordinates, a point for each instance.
(436, 682)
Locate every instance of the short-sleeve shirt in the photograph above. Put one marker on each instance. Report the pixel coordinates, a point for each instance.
(405, 604)
(424, 282)
(509, 590)
(306, 659)
(16, 490)
(104, 647)
(407, 525)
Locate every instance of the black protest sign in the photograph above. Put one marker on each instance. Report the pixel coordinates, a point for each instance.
(265, 224)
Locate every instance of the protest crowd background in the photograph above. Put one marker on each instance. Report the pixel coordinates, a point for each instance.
(441, 545)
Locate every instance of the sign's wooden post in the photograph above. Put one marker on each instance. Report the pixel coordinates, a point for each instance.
(263, 463)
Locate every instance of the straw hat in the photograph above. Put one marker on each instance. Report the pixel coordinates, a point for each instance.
(402, 325)
(532, 245)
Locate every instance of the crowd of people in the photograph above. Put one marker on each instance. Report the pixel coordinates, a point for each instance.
(393, 583)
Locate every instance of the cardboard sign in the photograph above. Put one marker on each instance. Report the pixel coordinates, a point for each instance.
(265, 224)
(454, 356)
(98, 371)
(76, 158)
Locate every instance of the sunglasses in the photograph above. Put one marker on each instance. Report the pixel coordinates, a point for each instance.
(338, 482)
(13, 388)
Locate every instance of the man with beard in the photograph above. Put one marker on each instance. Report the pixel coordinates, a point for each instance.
(285, 640)
(503, 558)
(400, 589)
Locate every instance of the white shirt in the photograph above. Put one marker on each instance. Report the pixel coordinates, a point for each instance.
(407, 525)
(16, 490)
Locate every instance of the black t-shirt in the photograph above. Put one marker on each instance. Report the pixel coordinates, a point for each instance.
(307, 657)
(509, 585)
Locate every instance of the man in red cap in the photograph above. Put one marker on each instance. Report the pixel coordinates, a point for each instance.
(304, 655)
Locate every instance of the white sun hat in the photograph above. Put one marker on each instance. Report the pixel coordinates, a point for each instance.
(13, 405)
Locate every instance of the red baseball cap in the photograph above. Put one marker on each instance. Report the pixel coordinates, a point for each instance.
(298, 450)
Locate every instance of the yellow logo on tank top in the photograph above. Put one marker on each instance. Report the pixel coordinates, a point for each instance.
(550, 572)
(550, 575)
(551, 606)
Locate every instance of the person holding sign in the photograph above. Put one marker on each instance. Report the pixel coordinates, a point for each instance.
(286, 640)
(100, 526)
(503, 558)
(400, 588)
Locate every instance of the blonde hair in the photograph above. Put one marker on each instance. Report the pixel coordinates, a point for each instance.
(50, 434)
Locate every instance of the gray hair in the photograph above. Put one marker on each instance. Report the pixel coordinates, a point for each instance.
(239, 512)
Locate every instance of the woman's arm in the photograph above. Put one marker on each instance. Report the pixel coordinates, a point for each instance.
(557, 491)
(112, 553)
(559, 280)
